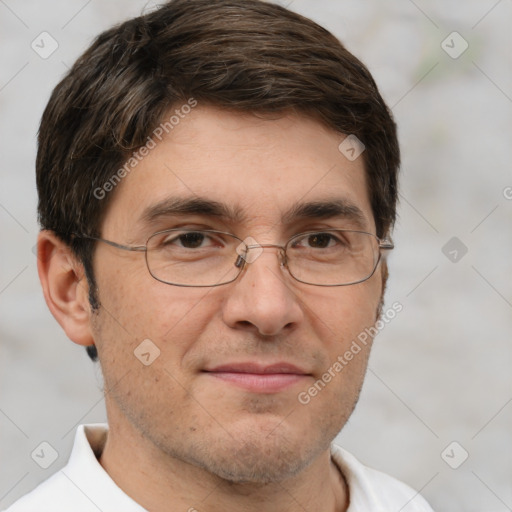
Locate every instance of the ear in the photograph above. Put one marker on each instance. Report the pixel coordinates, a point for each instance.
(384, 276)
(65, 287)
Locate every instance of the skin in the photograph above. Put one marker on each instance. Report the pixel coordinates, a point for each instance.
(181, 438)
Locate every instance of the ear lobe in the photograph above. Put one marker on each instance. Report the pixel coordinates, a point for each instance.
(65, 287)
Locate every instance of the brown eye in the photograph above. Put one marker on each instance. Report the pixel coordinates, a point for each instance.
(191, 240)
(320, 240)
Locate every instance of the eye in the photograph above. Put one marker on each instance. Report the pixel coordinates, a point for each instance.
(320, 240)
(190, 240)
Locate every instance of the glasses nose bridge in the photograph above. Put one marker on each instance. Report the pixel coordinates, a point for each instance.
(254, 251)
(263, 246)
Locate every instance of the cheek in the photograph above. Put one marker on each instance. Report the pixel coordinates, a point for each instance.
(342, 314)
(143, 341)
(338, 320)
(137, 308)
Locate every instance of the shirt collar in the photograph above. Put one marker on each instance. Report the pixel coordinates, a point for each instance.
(87, 474)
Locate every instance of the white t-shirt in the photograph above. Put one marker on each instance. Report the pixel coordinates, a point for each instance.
(84, 486)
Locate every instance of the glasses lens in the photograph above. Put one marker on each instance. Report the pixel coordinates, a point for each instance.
(332, 257)
(193, 257)
(186, 257)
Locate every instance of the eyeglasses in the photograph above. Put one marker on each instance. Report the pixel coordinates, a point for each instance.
(206, 258)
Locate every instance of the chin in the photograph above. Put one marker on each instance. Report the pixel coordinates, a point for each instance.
(250, 463)
(260, 453)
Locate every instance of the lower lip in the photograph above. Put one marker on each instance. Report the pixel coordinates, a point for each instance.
(260, 383)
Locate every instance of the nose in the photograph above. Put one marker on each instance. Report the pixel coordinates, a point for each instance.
(263, 299)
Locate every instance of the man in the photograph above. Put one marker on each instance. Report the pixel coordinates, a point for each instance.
(217, 187)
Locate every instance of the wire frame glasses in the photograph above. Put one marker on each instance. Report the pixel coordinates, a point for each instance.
(205, 258)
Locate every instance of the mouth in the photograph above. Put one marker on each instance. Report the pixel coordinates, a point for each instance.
(259, 378)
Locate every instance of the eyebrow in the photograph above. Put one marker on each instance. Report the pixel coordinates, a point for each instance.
(341, 208)
(191, 206)
(175, 206)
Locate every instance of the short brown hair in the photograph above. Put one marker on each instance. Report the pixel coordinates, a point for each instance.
(241, 55)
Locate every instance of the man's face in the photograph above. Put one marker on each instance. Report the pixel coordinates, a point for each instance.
(191, 402)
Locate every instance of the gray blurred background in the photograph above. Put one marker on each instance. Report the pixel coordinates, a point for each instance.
(439, 385)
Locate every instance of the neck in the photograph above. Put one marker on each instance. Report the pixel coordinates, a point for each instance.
(160, 482)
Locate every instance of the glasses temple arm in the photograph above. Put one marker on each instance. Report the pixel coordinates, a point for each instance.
(386, 244)
(141, 248)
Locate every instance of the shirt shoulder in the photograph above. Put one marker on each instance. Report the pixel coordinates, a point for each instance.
(373, 491)
(82, 485)
(53, 495)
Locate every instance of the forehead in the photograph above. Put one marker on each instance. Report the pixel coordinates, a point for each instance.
(260, 169)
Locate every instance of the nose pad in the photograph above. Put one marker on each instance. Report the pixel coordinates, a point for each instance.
(281, 256)
(240, 262)
(249, 251)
